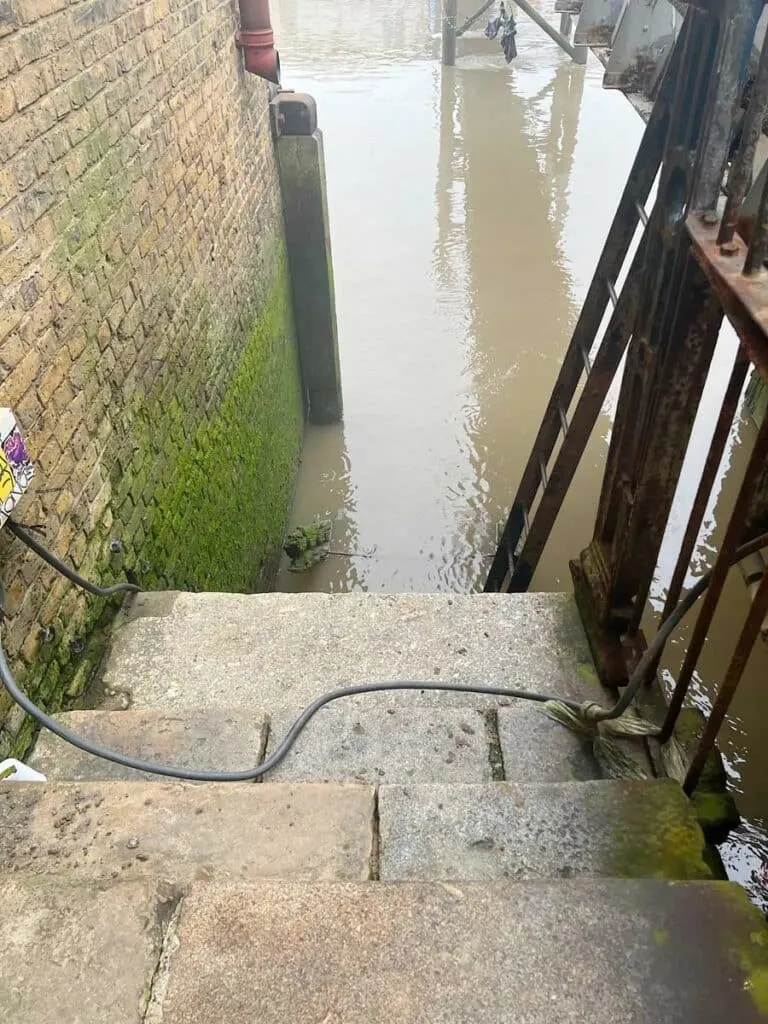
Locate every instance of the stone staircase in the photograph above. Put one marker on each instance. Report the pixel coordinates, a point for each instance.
(418, 857)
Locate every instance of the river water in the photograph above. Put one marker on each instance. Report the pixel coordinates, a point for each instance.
(468, 208)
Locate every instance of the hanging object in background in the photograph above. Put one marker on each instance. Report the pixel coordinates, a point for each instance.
(505, 24)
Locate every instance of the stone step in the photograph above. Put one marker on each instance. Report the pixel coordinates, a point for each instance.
(534, 748)
(78, 951)
(378, 742)
(381, 741)
(539, 830)
(607, 952)
(212, 740)
(278, 652)
(178, 831)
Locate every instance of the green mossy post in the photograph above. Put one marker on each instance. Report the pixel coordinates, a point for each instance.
(305, 210)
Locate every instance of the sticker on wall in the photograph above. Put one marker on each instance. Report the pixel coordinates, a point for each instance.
(16, 469)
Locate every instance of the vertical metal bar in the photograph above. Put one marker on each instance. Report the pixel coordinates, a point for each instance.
(741, 172)
(637, 189)
(758, 247)
(450, 17)
(720, 436)
(734, 535)
(652, 436)
(607, 360)
(739, 20)
(746, 642)
(693, 338)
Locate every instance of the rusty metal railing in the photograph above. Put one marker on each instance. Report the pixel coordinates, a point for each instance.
(700, 261)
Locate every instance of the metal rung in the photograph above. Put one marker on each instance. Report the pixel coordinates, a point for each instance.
(544, 473)
(563, 419)
(512, 555)
(585, 359)
(641, 214)
(612, 293)
(523, 536)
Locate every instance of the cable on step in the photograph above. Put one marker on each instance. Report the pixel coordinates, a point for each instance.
(590, 711)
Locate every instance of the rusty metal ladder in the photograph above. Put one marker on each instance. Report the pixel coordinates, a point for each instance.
(527, 530)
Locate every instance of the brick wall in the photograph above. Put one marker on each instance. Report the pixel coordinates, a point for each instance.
(146, 338)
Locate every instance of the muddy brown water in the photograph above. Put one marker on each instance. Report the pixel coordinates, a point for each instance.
(468, 208)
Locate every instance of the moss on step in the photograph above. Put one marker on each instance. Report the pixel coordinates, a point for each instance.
(661, 938)
(746, 944)
(717, 814)
(656, 835)
(588, 674)
(715, 807)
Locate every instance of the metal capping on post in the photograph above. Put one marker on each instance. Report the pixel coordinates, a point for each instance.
(257, 40)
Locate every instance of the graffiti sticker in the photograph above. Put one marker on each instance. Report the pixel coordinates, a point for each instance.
(16, 469)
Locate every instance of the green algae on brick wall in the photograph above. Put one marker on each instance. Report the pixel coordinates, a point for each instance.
(219, 508)
(215, 517)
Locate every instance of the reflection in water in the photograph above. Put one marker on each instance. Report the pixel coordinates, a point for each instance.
(463, 239)
(468, 208)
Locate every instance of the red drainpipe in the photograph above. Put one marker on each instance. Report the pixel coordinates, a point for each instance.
(257, 40)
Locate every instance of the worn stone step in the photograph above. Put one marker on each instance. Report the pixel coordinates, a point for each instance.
(534, 748)
(385, 742)
(539, 830)
(180, 831)
(278, 652)
(78, 951)
(212, 740)
(604, 951)
(607, 952)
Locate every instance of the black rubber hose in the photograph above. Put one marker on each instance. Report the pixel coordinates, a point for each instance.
(248, 775)
(34, 545)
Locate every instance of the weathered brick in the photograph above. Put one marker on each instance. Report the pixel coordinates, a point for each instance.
(54, 376)
(33, 10)
(19, 379)
(28, 86)
(7, 101)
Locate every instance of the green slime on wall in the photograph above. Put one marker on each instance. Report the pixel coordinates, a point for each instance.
(219, 502)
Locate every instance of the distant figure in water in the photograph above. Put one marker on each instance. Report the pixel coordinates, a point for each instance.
(505, 24)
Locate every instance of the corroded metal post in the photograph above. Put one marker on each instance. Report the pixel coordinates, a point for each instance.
(672, 344)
